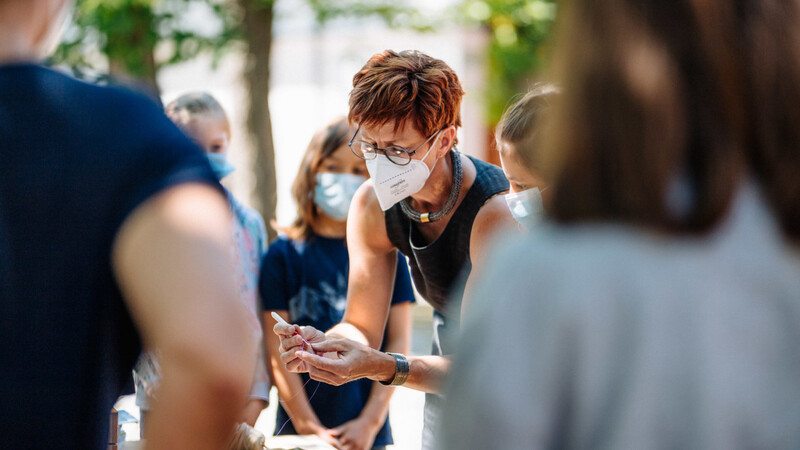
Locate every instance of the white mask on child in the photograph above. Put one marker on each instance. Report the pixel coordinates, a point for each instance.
(526, 206)
(393, 183)
(335, 191)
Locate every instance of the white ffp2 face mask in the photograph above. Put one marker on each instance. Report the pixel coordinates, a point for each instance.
(393, 183)
(526, 206)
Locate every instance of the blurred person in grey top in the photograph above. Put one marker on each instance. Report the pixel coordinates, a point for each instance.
(660, 306)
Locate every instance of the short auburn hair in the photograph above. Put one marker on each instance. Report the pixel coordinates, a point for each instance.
(409, 86)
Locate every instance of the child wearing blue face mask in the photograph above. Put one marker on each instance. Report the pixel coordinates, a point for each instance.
(304, 279)
(203, 120)
(515, 131)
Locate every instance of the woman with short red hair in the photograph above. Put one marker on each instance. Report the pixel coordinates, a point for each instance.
(424, 198)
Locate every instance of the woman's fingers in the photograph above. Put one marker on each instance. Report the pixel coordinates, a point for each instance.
(293, 364)
(292, 343)
(336, 345)
(334, 366)
(310, 333)
(283, 329)
(322, 376)
(288, 349)
(324, 369)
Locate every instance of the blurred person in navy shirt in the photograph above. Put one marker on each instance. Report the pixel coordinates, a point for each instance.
(113, 231)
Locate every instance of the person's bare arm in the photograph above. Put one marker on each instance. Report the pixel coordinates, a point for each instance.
(492, 217)
(252, 409)
(259, 393)
(426, 373)
(360, 432)
(290, 387)
(172, 259)
(373, 264)
(356, 360)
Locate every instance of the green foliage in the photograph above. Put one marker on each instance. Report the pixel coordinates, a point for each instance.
(126, 34)
(139, 37)
(395, 13)
(519, 30)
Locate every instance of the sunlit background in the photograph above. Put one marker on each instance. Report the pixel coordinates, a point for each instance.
(303, 70)
(170, 47)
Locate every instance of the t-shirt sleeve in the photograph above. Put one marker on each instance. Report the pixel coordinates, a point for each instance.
(262, 236)
(273, 282)
(254, 224)
(403, 292)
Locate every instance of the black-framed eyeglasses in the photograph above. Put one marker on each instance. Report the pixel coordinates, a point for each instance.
(396, 154)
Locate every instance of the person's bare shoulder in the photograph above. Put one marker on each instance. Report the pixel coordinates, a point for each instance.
(366, 200)
(493, 216)
(366, 219)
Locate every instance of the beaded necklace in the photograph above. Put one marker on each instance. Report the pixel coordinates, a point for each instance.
(455, 190)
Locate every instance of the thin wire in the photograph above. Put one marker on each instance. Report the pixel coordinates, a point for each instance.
(307, 402)
(302, 389)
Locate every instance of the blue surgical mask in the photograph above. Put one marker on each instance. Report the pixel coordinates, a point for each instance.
(335, 191)
(526, 206)
(220, 164)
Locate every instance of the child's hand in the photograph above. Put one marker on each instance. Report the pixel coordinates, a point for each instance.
(357, 434)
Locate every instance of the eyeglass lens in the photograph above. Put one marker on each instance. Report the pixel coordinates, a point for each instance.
(396, 154)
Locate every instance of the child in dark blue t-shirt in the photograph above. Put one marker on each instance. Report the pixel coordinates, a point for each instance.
(304, 279)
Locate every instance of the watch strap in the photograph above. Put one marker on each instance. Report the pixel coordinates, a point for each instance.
(401, 369)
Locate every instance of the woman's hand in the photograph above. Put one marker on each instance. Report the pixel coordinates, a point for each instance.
(354, 361)
(357, 434)
(293, 339)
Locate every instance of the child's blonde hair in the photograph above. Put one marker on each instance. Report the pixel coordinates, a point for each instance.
(189, 106)
(520, 122)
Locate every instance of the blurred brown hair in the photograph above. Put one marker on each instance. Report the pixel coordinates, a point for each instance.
(406, 86)
(699, 92)
(520, 124)
(324, 143)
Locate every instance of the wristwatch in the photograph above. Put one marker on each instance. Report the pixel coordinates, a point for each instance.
(400, 370)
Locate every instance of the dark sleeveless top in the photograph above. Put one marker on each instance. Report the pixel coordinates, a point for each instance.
(440, 266)
(440, 270)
